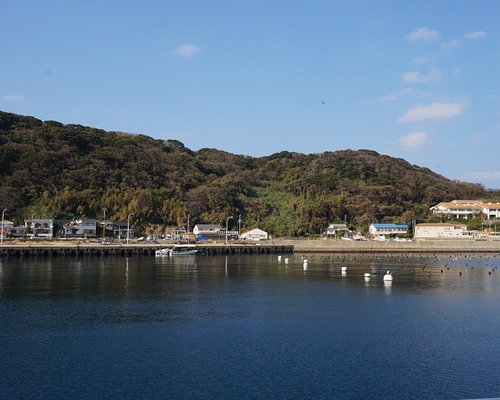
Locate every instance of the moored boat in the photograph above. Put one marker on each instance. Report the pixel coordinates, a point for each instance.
(178, 250)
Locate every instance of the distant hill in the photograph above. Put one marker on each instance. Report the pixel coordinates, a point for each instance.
(48, 169)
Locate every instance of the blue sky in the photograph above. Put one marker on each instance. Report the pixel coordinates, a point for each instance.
(415, 80)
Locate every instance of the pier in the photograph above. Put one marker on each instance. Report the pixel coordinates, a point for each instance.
(80, 250)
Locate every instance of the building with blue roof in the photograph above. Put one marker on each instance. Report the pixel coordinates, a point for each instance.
(385, 230)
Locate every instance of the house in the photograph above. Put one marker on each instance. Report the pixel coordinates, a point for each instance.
(254, 234)
(336, 229)
(491, 210)
(440, 230)
(207, 229)
(384, 230)
(6, 229)
(457, 209)
(82, 228)
(40, 227)
(120, 230)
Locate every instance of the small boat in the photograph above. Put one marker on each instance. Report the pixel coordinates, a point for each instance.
(162, 252)
(178, 250)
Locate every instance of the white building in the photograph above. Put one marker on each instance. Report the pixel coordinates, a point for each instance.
(207, 229)
(336, 229)
(491, 210)
(254, 234)
(464, 209)
(83, 228)
(440, 230)
(383, 230)
(41, 227)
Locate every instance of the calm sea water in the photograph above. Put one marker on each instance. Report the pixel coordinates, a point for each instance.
(250, 327)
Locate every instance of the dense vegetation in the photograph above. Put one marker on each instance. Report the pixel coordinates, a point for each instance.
(48, 169)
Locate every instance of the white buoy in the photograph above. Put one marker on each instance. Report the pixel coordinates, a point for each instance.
(367, 275)
(343, 269)
(388, 276)
(279, 258)
(286, 260)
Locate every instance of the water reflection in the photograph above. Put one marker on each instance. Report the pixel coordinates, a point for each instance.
(137, 275)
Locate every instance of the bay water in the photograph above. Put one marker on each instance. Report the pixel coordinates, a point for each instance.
(250, 327)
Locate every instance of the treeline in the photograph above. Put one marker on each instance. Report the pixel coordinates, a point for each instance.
(48, 169)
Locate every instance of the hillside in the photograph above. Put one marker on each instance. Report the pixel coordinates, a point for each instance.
(63, 171)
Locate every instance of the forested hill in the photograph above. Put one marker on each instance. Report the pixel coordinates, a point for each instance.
(48, 169)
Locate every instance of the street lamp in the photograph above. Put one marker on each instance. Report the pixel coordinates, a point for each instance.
(104, 225)
(3, 232)
(227, 223)
(128, 226)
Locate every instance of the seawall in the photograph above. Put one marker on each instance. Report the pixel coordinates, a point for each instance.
(418, 246)
(76, 250)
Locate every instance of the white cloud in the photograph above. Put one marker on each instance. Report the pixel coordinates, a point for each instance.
(484, 176)
(423, 34)
(475, 35)
(453, 44)
(414, 140)
(14, 98)
(433, 75)
(434, 111)
(187, 50)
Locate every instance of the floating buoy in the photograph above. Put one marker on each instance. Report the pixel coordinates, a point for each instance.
(343, 269)
(367, 275)
(279, 258)
(388, 276)
(286, 260)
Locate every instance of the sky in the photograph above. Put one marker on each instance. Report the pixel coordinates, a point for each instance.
(415, 80)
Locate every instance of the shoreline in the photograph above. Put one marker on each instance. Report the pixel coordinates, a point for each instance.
(279, 246)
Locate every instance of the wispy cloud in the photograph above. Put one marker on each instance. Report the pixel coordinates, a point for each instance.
(433, 75)
(475, 35)
(452, 44)
(14, 98)
(425, 34)
(414, 140)
(187, 50)
(434, 111)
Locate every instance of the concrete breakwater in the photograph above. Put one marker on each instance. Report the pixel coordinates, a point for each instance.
(274, 247)
(418, 246)
(78, 250)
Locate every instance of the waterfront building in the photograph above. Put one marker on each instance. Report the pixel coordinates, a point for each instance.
(6, 229)
(440, 230)
(120, 230)
(40, 227)
(207, 229)
(336, 230)
(385, 230)
(254, 234)
(464, 209)
(81, 228)
(491, 210)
